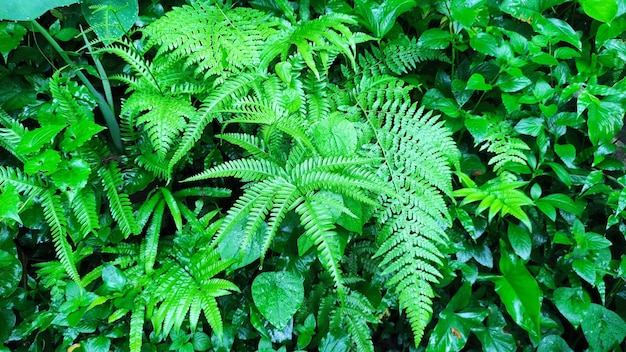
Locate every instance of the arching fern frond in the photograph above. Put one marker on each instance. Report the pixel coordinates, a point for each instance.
(53, 212)
(418, 151)
(326, 32)
(181, 290)
(499, 195)
(215, 41)
(120, 204)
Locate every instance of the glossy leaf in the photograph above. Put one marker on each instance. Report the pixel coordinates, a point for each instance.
(520, 293)
(520, 241)
(35, 139)
(572, 302)
(277, 295)
(603, 328)
(29, 10)
(110, 19)
(11, 272)
(601, 10)
(380, 16)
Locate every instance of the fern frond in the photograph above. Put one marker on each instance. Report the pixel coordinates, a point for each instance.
(357, 313)
(499, 195)
(180, 291)
(137, 318)
(53, 212)
(219, 97)
(417, 151)
(319, 227)
(120, 204)
(67, 105)
(150, 247)
(247, 169)
(163, 117)
(216, 41)
(327, 32)
(151, 162)
(253, 145)
(84, 206)
(11, 135)
(143, 69)
(28, 185)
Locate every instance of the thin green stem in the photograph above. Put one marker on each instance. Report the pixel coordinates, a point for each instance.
(103, 105)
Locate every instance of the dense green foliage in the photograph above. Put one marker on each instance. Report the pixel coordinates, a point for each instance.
(313, 175)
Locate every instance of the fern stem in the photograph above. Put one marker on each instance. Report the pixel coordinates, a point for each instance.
(104, 107)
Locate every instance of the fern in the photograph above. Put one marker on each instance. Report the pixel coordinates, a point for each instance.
(418, 151)
(186, 289)
(281, 188)
(120, 205)
(499, 195)
(327, 31)
(496, 137)
(215, 41)
(53, 212)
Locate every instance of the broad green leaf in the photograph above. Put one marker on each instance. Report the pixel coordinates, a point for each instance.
(477, 82)
(9, 204)
(97, 344)
(35, 139)
(113, 278)
(519, 292)
(563, 202)
(335, 136)
(553, 343)
(201, 341)
(72, 174)
(110, 19)
(434, 38)
(336, 341)
(527, 10)
(11, 35)
(601, 10)
(585, 269)
(28, 10)
(277, 295)
(230, 245)
(435, 100)
(572, 302)
(466, 12)
(520, 241)
(11, 272)
(46, 162)
(567, 153)
(485, 44)
(380, 16)
(508, 83)
(493, 337)
(604, 120)
(8, 317)
(603, 328)
(558, 30)
(454, 324)
(530, 126)
(77, 134)
(561, 173)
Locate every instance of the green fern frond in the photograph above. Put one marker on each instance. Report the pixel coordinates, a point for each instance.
(499, 195)
(120, 204)
(217, 99)
(11, 135)
(163, 117)
(66, 103)
(253, 145)
(418, 151)
(150, 247)
(84, 206)
(53, 212)
(247, 169)
(215, 41)
(142, 68)
(327, 32)
(136, 325)
(180, 291)
(358, 312)
(151, 162)
(28, 185)
(319, 227)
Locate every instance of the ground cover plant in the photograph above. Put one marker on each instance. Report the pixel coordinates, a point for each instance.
(312, 175)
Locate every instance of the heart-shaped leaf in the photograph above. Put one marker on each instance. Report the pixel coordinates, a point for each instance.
(277, 295)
